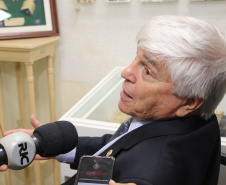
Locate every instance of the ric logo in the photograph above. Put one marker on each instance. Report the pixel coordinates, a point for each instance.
(23, 153)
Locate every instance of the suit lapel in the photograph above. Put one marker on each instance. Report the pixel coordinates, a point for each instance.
(155, 129)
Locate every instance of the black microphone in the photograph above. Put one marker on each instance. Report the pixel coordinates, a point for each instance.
(18, 150)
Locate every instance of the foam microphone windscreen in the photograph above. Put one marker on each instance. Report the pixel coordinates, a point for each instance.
(56, 138)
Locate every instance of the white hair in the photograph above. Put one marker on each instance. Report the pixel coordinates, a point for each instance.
(195, 54)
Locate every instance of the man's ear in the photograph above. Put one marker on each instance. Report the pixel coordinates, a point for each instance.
(189, 106)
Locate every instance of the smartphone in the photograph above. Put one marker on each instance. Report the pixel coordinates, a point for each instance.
(94, 170)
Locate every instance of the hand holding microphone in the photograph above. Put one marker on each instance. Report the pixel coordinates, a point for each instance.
(18, 150)
(35, 123)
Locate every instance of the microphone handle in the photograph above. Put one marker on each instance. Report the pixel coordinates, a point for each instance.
(20, 150)
(3, 156)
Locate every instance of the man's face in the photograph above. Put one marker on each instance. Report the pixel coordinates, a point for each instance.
(147, 89)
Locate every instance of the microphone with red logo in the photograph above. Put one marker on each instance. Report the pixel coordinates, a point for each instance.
(18, 150)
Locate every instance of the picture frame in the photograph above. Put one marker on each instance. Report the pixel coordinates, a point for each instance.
(47, 25)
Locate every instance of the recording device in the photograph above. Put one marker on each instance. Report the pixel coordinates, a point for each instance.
(94, 170)
(18, 150)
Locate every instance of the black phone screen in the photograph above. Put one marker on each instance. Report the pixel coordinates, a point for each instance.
(94, 170)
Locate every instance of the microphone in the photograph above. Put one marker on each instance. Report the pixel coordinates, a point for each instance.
(18, 150)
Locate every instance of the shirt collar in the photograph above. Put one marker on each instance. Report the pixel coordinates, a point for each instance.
(136, 123)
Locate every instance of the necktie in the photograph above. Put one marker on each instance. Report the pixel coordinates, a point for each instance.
(124, 127)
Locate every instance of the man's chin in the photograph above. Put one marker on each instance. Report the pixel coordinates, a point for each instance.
(123, 108)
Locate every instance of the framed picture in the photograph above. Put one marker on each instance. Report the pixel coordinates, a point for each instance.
(28, 18)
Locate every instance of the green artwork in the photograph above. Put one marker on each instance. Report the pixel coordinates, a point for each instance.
(24, 13)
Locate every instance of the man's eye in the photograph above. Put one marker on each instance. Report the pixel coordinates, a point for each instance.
(147, 71)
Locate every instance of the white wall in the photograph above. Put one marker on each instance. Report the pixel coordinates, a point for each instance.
(96, 37)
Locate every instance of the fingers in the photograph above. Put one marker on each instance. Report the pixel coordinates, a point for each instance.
(34, 122)
(38, 157)
(3, 168)
(111, 182)
(27, 131)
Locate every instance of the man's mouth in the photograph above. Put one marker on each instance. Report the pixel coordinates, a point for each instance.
(125, 95)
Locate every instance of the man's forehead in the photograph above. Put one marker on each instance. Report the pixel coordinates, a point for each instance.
(152, 59)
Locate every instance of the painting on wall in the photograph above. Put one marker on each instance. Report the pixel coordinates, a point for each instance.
(28, 18)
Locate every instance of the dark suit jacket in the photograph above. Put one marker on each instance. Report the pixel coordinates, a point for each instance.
(182, 151)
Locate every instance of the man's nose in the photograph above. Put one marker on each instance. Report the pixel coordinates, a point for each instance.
(129, 73)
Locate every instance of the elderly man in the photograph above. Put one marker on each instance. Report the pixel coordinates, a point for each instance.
(171, 90)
